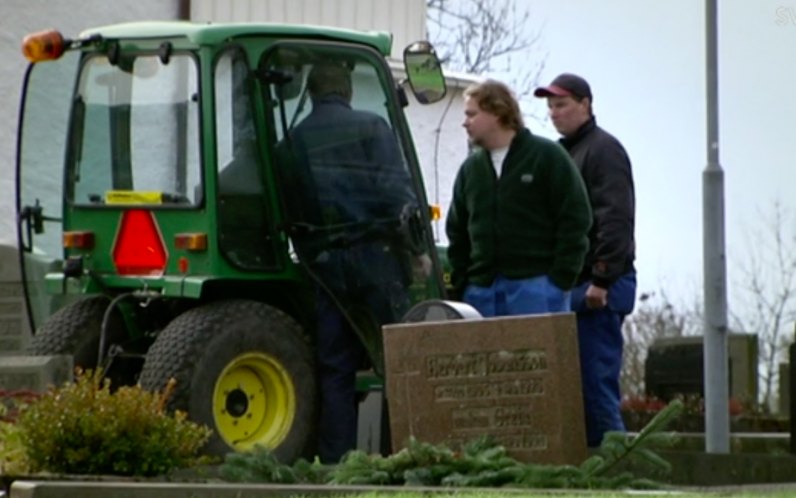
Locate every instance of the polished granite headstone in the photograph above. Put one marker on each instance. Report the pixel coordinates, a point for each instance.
(514, 378)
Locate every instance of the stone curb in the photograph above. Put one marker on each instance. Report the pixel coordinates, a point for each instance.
(63, 489)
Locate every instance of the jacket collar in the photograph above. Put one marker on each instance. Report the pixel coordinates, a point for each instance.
(331, 99)
(585, 129)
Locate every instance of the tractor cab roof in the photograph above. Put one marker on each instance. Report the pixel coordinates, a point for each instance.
(211, 34)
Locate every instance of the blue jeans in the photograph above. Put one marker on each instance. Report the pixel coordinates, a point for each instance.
(527, 296)
(600, 343)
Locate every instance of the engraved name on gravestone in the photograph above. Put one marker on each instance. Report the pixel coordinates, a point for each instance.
(514, 378)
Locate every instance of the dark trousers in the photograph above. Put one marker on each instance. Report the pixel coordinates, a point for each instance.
(366, 275)
(340, 354)
(600, 343)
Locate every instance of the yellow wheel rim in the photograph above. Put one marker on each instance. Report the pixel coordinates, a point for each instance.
(254, 402)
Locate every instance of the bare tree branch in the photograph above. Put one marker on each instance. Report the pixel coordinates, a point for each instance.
(484, 36)
(767, 292)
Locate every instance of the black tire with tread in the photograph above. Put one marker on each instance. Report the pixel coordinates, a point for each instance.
(197, 345)
(75, 330)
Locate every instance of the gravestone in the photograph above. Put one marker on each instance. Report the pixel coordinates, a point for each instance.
(783, 408)
(516, 379)
(674, 366)
(14, 333)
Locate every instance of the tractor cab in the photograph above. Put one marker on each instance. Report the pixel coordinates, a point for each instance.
(188, 194)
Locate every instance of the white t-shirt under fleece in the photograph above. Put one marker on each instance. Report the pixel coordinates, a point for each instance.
(498, 155)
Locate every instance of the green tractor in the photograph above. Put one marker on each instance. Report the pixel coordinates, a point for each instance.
(164, 221)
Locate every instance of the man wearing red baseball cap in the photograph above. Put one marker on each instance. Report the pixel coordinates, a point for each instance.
(606, 288)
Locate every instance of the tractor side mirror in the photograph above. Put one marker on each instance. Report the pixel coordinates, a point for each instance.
(424, 72)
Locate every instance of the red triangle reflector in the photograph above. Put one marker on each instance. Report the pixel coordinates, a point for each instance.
(139, 248)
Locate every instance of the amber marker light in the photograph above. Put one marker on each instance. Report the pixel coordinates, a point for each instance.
(435, 211)
(79, 240)
(44, 46)
(191, 241)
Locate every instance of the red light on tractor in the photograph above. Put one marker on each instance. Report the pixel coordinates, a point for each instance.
(44, 46)
(182, 264)
(139, 248)
(78, 240)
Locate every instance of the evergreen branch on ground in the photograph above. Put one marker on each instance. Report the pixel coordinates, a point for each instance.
(617, 448)
(481, 462)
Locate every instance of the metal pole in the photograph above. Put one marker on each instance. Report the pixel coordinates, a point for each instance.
(717, 419)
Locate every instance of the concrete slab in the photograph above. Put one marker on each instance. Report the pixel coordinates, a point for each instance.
(61, 489)
(34, 373)
(369, 423)
(14, 330)
(14, 334)
(9, 264)
(707, 469)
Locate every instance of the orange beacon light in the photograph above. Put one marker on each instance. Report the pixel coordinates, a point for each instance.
(44, 46)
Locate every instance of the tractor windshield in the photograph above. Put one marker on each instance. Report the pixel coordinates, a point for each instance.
(135, 131)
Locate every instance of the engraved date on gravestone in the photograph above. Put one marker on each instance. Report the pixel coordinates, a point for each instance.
(523, 441)
(532, 386)
(512, 416)
(519, 441)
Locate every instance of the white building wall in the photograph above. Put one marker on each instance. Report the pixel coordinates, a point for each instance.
(70, 17)
(405, 19)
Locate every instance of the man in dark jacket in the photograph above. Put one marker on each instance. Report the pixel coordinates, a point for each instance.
(519, 217)
(606, 288)
(352, 175)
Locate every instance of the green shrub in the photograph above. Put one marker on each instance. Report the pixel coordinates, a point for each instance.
(84, 428)
(13, 459)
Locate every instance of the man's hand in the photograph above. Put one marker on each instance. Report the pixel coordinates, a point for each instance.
(596, 297)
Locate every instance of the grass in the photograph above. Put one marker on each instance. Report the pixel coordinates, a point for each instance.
(524, 493)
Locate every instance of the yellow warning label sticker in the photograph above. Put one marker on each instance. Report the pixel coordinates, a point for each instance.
(133, 197)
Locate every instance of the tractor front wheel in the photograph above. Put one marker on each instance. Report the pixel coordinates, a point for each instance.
(244, 369)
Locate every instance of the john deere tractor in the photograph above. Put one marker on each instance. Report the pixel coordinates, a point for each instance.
(157, 185)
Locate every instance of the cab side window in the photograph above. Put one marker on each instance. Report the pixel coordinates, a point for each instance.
(244, 233)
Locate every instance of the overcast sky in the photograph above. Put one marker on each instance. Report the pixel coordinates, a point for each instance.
(645, 61)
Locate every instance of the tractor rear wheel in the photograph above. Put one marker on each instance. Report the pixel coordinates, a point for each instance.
(244, 369)
(75, 330)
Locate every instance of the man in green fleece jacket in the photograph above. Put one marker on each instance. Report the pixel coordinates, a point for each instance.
(519, 221)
